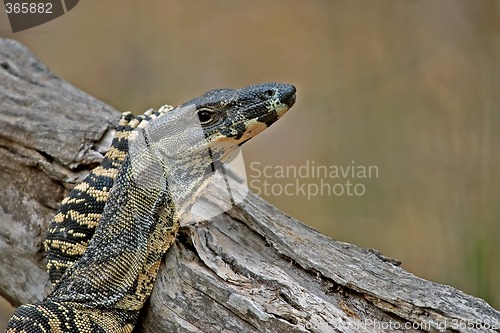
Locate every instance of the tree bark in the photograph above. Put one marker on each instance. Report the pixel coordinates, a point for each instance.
(252, 269)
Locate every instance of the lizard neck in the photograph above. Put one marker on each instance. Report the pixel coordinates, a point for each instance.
(138, 225)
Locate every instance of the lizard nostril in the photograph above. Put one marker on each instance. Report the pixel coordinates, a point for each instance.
(268, 94)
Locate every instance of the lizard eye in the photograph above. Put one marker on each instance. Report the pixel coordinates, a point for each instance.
(205, 116)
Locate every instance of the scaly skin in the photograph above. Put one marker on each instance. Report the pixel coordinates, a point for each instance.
(167, 163)
(78, 216)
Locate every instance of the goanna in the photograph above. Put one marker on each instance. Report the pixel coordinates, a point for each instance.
(107, 241)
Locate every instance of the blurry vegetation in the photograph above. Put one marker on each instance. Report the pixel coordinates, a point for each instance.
(409, 86)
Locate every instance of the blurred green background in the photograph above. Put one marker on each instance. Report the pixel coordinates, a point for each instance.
(408, 86)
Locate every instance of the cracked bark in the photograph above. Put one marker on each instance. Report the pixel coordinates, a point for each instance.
(250, 269)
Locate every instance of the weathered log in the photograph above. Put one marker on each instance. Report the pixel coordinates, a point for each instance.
(250, 269)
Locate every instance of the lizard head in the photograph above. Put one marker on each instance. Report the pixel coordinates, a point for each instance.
(184, 146)
(230, 117)
(237, 115)
(219, 121)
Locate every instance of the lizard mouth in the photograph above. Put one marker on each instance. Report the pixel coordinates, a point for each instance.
(285, 96)
(289, 96)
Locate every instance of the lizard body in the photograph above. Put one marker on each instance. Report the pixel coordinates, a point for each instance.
(74, 224)
(104, 258)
